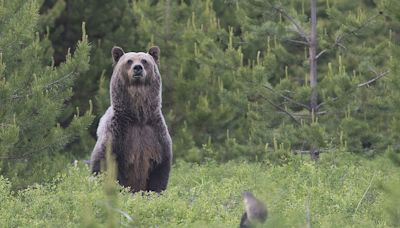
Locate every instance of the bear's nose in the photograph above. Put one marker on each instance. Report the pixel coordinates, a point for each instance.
(137, 69)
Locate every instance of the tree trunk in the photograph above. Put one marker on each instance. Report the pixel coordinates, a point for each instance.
(313, 71)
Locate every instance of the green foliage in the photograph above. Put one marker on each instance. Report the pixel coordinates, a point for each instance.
(355, 74)
(341, 190)
(235, 73)
(32, 96)
(235, 87)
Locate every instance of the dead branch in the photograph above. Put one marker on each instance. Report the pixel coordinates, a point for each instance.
(51, 84)
(307, 115)
(341, 36)
(281, 109)
(321, 53)
(45, 87)
(296, 41)
(308, 212)
(287, 98)
(322, 103)
(299, 29)
(354, 31)
(374, 79)
(365, 193)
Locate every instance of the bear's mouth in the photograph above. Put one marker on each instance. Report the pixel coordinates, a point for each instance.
(137, 77)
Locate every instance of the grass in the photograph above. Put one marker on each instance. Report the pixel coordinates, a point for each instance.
(339, 191)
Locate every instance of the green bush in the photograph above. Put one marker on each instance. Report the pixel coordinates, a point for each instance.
(34, 96)
(341, 190)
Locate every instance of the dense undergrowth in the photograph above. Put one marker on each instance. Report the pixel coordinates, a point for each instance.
(341, 190)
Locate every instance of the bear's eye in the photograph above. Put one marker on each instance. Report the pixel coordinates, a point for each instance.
(130, 62)
(144, 61)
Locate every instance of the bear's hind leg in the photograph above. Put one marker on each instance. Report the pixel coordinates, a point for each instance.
(158, 179)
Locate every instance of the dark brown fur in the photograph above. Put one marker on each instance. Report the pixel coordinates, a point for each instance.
(135, 124)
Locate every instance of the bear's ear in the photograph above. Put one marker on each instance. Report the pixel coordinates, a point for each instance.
(116, 53)
(155, 52)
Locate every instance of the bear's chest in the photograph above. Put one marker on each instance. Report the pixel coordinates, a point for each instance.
(141, 144)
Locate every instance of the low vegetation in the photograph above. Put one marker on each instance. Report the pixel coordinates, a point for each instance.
(341, 190)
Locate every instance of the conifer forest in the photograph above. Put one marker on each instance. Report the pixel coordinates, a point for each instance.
(295, 101)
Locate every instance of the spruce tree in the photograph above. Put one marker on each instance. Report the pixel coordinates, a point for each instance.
(348, 58)
(33, 93)
(108, 24)
(200, 69)
(236, 73)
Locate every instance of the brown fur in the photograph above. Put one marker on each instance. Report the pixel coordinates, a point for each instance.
(135, 124)
(149, 150)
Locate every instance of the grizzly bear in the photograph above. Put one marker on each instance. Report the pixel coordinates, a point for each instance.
(134, 123)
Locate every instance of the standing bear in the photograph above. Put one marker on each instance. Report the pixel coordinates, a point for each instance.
(134, 123)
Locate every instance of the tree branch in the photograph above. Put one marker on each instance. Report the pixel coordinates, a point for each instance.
(287, 98)
(296, 41)
(58, 80)
(307, 115)
(322, 103)
(282, 109)
(354, 31)
(45, 87)
(321, 53)
(374, 79)
(341, 36)
(365, 193)
(299, 29)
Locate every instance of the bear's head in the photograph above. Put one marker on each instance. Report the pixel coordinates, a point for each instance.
(137, 68)
(136, 81)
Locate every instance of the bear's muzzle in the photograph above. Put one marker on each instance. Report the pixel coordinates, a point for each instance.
(137, 71)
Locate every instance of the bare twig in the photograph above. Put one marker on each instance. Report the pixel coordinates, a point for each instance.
(299, 29)
(297, 41)
(354, 31)
(301, 152)
(377, 77)
(308, 213)
(322, 103)
(321, 150)
(321, 53)
(374, 79)
(365, 193)
(45, 87)
(341, 36)
(287, 98)
(58, 80)
(307, 115)
(282, 109)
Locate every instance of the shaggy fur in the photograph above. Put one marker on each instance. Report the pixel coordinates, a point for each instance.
(135, 124)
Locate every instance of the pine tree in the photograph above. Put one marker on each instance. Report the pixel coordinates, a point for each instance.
(116, 26)
(236, 73)
(32, 96)
(348, 58)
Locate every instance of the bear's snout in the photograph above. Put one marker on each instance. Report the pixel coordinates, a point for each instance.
(137, 70)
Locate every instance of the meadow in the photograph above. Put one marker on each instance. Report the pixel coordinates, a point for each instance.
(341, 190)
